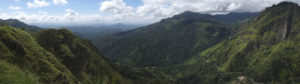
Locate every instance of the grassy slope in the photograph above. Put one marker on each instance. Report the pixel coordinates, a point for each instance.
(264, 51)
(80, 56)
(11, 74)
(17, 47)
(63, 58)
(170, 41)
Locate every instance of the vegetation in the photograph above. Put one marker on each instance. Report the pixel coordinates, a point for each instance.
(189, 48)
(168, 42)
(58, 57)
(17, 47)
(11, 74)
(264, 51)
(259, 50)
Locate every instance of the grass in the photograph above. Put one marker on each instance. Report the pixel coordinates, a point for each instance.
(11, 74)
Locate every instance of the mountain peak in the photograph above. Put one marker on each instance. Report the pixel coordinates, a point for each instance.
(286, 3)
(283, 6)
(191, 15)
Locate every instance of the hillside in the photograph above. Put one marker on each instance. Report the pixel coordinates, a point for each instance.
(24, 61)
(189, 48)
(170, 41)
(95, 32)
(57, 56)
(265, 51)
(79, 56)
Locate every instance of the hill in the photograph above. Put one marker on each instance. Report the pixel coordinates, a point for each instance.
(57, 56)
(170, 41)
(265, 51)
(21, 56)
(79, 56)
(18, 24)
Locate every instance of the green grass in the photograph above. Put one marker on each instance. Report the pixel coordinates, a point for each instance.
(11, 74)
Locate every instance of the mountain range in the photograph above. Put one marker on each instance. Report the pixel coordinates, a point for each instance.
(170, 41)
(188, 48)
(194, 48)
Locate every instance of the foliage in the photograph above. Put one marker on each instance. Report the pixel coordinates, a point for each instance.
(264, 51)
(19, 48)
(11, 74)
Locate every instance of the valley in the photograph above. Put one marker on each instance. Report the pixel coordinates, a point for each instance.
(187, 48)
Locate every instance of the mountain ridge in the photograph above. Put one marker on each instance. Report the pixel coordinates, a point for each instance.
(18, 24)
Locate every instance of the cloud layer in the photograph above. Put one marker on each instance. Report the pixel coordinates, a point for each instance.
(158, 9)
(115, 11)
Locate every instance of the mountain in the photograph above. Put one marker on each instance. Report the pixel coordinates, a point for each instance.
(189, 48)
(97, 32)
(57, 56)
(232, 17)
(192, 48)
(265, 51)
(170, 41)
(24, 61)
(18, 24)
(79, 56)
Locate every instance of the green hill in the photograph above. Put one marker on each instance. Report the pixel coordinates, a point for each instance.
(170, 41)
(18, 24)
(265, 51)
(57, 56)
(192, 48)
(79, 56)
(19, 49)
(189, 48)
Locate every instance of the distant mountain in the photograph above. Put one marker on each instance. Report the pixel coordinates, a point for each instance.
(169, 41)
(232, 17)
(18, 24)
(97, 32)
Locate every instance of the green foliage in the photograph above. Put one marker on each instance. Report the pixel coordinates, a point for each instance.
(63, 58)
(20, 49)
(179, 50)
(264, 51)
(11, 74)
(168, 42)
(80, 56)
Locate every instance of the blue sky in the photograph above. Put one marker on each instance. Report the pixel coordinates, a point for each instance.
(83, 6)
(120, 11)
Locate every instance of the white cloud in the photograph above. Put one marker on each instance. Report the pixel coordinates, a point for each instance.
(116, 6)
(167, 8)
(11, 7)
(71, 15)
(116, 11)
(37, 3)
(60, 2)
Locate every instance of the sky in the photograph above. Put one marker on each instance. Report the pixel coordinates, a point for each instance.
(120, 11)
